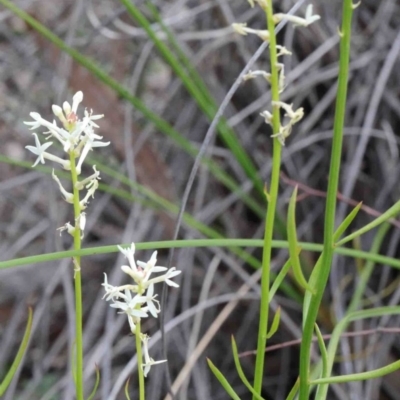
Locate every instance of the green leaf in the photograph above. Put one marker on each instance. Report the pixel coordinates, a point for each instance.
(346, 222)
(21, 351)
(240, 370)
(222, 380)
(96, 384)
(322, 349)
(275, 323)
(293, 244)
(279, 279)
(390, 213)
(362, 376)
(127, 390)
(293, 392)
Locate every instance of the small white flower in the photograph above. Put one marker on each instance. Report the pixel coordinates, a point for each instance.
(283, 51)
(39, 150)
(67, 227)
(82, 223)
(69, 197)
(253, 74)
(146, 269)
(308, 19)
(89, 144)
(295, 116)
(172, 272)
(81, 184)
(148, 361)
(92, 187)
(76, 134)
(153, 305)
(129, 305)
(267, 117)
(112, 292)
(165, 278)
(242, 29)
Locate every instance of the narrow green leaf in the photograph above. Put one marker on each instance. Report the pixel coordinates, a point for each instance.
(295, 389)
(346, 222)
(222, 380)
(279, 279)
(390, 213)
(267, 196)
(362, 376)
(322, 349)
(312, 282)
(21, 351)
(240, 370)
(293, 244)
(96, 384)
(275, 323)
(127, 390)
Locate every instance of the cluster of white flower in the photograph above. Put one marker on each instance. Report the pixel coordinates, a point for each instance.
(77, 138)
(137, 300)
(294, 116)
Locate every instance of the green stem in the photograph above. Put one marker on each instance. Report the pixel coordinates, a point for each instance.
(330, 211)
(271, 210)
(78, 284)
(139, 360)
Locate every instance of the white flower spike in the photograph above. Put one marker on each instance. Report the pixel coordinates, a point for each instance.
(138, 300)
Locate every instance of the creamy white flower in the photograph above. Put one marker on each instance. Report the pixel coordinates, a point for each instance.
(112, 292)
(148, 361)
(67, 227)
(81, 184)
(92, 187)
(153, 305)
(69, 197)
(89, 143)
(308, 19)
(40, 151)
(253, 74)
(242, 29)
(74, 130)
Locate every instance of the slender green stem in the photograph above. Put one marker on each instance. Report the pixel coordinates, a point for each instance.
(330, 211)
(139, 360)
(270, 217)
(78, 285)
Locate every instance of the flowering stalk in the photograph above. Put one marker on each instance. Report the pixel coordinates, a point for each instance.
(271, 209)
(280, 132)
(137, 300)
(77, 138)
